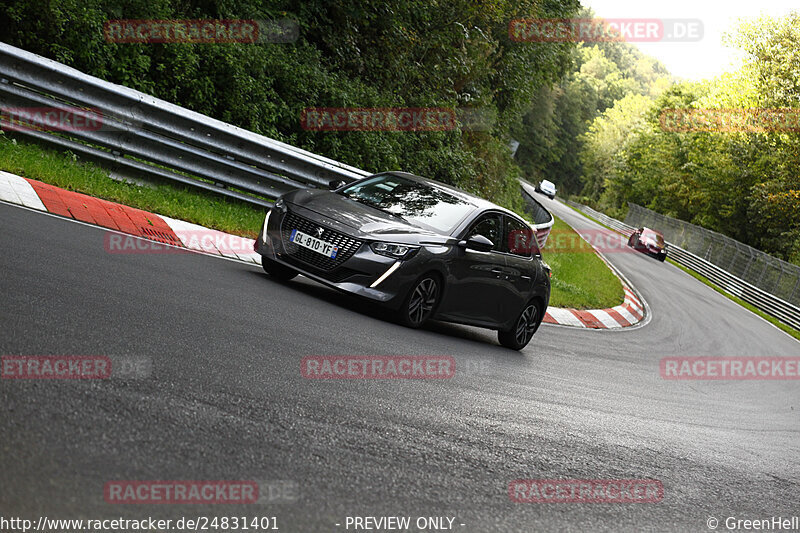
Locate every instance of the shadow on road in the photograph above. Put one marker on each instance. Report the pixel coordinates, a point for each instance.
(351, 303)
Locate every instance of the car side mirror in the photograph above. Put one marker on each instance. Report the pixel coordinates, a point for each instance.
(478, 243)
(335, 184)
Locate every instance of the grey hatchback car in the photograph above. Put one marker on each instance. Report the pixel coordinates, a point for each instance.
(420, 248)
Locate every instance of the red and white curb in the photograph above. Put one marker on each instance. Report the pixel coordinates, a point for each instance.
(158, 228)
(165, 230)
(629, 313)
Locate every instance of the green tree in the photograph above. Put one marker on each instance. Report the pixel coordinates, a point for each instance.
(551, 132)
(745, 184)
(350, 53)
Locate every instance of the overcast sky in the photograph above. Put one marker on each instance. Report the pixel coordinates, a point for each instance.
(694, 60)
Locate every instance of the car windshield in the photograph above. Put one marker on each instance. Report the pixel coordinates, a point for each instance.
(650, 234)
(416, 202)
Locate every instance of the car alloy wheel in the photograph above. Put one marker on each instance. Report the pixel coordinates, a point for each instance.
(421, 302)
(520, 335)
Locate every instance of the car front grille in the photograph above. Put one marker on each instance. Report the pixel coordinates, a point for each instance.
(337, 275)
(297, 254)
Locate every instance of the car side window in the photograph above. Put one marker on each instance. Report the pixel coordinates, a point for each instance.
(520, 239)
(490, 227)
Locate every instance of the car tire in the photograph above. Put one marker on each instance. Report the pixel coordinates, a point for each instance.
(277, 270)
(421, 302)
(524, 328)
(662, 258)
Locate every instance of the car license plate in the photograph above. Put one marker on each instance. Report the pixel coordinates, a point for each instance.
(312, 243)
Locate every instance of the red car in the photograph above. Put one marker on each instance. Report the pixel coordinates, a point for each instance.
(650, 242)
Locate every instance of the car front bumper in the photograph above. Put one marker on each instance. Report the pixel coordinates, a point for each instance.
(654, 251)
(381, 279)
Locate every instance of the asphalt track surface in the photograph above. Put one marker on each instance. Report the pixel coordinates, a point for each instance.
(226, 401)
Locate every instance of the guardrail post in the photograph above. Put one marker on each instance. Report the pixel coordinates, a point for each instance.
(682, 237)
(778, 281)
(162, 141)
(763, 271)
(734, 256)
(749, 263)
(752, 292)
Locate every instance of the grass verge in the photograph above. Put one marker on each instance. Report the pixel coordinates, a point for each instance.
(580, 278)
(65, 170)
(699, 277)
(772, 320)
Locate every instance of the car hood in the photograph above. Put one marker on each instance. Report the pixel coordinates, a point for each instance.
(362, 220)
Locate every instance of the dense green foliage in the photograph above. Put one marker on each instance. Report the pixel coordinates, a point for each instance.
(65, 170)
(598, 134)
(551, 131)
(745, 184)
(452, 53)
(581, 279)
(586, 115)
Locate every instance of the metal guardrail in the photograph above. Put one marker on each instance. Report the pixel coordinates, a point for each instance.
(142, 137)
(769, 303)
(612, 223)
(542, 218)
(768, 273)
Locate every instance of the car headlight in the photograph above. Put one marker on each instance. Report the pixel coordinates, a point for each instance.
(396, 251)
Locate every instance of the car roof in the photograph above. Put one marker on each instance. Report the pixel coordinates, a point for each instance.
(479, 202)
(645, 228)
